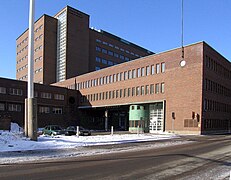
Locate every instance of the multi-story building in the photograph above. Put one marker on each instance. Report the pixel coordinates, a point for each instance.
(160, 92)
(66, 47)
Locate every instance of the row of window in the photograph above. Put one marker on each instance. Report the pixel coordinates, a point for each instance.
(38, 48)
(23, 67)
(39, 37)
(216, 88)
(23, 58)
(11, 107)
(127, 92)
(26, 66)
(42, 109)
(116, 47)
(39, 28)
(130, 74)
(48, 110)
(26, 39)
(19, 92)
(104, 61)
(23, 41)
(216, 124)
(25, 48)
(211, 105)
(216, 67)
(113, 54)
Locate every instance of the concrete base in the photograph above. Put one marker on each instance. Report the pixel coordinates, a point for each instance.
(32, 118)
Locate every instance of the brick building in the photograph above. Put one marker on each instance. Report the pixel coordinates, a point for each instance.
(160, 92)
(56, 105)
(66, 47)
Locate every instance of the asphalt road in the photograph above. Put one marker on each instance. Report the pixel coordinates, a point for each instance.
(207, 157)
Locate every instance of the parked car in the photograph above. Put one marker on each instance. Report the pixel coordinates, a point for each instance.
(72, 130)
(53, 130)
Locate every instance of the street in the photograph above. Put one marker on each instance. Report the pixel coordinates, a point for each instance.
(206, 157)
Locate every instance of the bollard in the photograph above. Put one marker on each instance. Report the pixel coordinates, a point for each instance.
(77, 131)
(138, 130)
(112, 129)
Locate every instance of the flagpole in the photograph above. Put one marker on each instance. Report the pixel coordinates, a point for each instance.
(31, 101)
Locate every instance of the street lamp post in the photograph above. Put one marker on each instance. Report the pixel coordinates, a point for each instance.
(30, 102)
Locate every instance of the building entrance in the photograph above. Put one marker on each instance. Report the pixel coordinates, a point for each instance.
(156, 116)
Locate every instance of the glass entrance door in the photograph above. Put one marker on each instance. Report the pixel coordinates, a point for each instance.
(156, 117)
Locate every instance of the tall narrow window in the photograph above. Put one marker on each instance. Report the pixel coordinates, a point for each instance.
(162, 88)
(152, 89)
(146, 89)
(138, 72)
(142, 90)
(142, 71)
(157, 68)
(147, 70)
(157, 87)
(162, 67)
(152, 69)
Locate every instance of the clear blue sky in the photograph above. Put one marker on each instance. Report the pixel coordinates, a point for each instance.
(152, 24)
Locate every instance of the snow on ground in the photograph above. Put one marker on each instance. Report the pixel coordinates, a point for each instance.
(14, 147)
(14, 140)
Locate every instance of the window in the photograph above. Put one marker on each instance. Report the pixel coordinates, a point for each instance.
(157, 68)
(146, 89)
(125, 75)
(14, 107)
(110, 53)
(117, 93)
(162, 67)
(121, 76)
(129, 74)
(122, 57)
(162, 88)
(104, 61)
(157, 86)
(17, 92)
(116, 55)
(142, 90)
(142, 71)
(2, 90)
(152, 89)
(97, 68)
(2, 107)
(98, 41)
(98, 59)
(133, 73)
(44, 110)
(137, 91)
(138, 72)
(125, 92)
(147, 70)
(110, 63)
(152, 69)
(57, 110)
(45, 95)
(104, 51)
(121, 93)
(114, 77)
(133, 91)
(129, 92)
(98, 49)
(59, 96)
